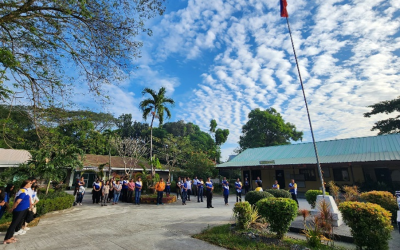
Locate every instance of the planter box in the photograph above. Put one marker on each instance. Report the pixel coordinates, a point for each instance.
(146, 199)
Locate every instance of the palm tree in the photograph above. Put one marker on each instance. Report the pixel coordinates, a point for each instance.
(156, 108)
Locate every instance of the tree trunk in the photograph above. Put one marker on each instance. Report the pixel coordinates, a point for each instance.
(109, 164)
(48, 186)
(151, 146)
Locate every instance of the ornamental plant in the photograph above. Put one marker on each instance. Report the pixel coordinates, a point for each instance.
(279, 193)
(279, 213)
(242, 214)
(384, 199)
(370, 224)
(311, 196)
(253, 196)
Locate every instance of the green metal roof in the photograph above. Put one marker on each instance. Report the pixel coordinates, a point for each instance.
(363, 149)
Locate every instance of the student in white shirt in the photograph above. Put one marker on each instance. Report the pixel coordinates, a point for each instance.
(195, 189)
(189, 188)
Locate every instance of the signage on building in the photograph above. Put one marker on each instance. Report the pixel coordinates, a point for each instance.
(267, 162)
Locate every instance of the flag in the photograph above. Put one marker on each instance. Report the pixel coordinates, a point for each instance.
(284, 12)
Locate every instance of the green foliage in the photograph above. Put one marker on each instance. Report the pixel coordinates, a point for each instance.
(242, 214)
(311, 196)
(97, 38)
(254, 196)
(198, 164)
(267, 128)
(388, 126)
(370, 224)
(384, 199)
(53, 202)
(279, 213)
(279, 193)
(156, 105)
(213, 125)
(221, 135)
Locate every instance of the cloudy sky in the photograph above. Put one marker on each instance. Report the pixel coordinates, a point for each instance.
(220, 59)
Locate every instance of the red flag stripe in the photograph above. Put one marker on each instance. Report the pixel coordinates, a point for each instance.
(284, 12)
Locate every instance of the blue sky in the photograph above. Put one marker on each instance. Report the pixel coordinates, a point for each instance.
(219, 59)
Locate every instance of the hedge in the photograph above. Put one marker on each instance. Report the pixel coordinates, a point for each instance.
(54, 202)
(370, 224)
(311, 196)
(279, 193)
(253, 196)
(384, 199)
(241, 212)
(279, 213)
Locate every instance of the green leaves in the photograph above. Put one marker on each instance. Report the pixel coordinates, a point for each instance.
(267, 128)
(388, 126)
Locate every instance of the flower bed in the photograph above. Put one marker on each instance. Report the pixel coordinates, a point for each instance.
(152, 199)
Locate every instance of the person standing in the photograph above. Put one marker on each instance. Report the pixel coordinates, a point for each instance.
(189, 188)
(117, 192)
(111, 191)
(226, 193)
(160, 187)
(209, 189)
(131, 190)
(195, 189)
(200, 189)
(276, 185)
(22, 203)
(168, 188)
(293, 191)
(79, 195)
(246, 185)
(224, 181)
(105, 192)
(258, 182)
(259, 187)
(125, 190)
(238, 186)
(8, 193)
(184, 187)
(138, 190)
(96, 191)
(178, 188)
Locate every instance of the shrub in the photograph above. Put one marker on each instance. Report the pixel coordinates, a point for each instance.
(279, 193)
(43, 190)
(253, 196)
(311, 196)
(242, 214)
(335, 191)
(279, 213)
(351, 193)
(370, 224)
(53, 202)
(384, 199)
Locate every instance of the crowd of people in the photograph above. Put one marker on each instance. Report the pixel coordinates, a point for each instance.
(129, 190)
(23, 209)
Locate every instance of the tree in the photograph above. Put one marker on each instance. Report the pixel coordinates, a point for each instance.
(98, 37)
(388, 126)
(156, 108)
(124, 124)
(199, 164)
(220, 137)
(267, 128)
(110, 138)
(131, 151)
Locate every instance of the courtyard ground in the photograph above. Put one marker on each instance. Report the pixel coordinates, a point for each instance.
(126, 226)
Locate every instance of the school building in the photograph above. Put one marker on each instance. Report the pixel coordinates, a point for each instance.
(352, 161)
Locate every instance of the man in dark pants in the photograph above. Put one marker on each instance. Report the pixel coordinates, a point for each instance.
(209, 190)
(125, 190)
(189, 188)
(200, 188)
(293, 191)
(96, 191)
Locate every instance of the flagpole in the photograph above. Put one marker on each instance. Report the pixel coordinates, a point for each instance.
(308, 112)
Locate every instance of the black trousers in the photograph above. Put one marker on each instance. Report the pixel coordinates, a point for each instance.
(129, 196)
(294, 197)
(209, 198)
(16, 223)
(159, 197)
(124, 195)
(96, 196)
(189, 192)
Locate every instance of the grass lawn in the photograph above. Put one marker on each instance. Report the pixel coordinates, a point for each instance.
(223, 236)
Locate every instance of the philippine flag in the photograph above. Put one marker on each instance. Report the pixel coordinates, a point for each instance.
(284, 12)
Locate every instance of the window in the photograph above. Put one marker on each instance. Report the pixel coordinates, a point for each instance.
(326, 172)
(340, 174)
(309, 174)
